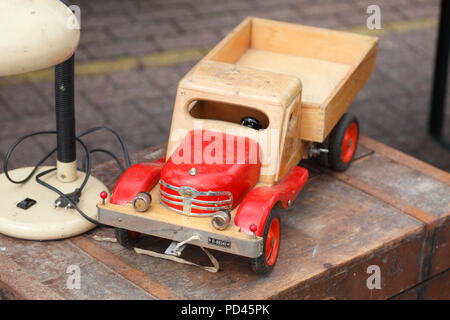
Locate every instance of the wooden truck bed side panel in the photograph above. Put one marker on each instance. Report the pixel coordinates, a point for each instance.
(345, 94)
(310, 42)
(318, 121)
(233, 45)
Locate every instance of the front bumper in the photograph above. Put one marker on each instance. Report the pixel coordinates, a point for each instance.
(164, 223)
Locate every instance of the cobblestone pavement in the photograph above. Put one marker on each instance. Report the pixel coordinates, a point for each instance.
(132, 54)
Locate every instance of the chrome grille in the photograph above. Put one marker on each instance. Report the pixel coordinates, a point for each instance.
(186, 198)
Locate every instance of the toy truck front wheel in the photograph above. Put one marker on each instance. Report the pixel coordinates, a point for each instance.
(126, 238)
(265, 263)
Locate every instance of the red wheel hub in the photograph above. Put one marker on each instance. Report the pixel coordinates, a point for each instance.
(273, 242)
(349, 142)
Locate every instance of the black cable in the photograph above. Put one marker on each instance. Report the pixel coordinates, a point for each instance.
(112, 155)
(13, 147)
(119, 138)
(48, 155)
(74, 205)
(63, 195)
(36, 167)
(88, 153)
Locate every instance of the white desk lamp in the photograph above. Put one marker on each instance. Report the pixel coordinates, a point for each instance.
(37, 34)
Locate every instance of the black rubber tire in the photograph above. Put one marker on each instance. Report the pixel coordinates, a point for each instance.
(336, 140)
(124, 238)
(259, 265)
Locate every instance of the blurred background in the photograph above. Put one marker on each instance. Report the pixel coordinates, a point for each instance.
(132, 54)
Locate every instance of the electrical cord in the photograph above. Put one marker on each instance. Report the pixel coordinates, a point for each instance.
(112, 155)
(119, 138)
(71, 198)
(13, 147)
(48, 155)
(77, 191)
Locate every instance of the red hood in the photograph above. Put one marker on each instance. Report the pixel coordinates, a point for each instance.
(223, 162)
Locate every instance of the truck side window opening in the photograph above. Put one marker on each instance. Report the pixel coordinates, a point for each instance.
(214, 110)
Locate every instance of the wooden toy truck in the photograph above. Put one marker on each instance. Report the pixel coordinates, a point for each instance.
(273, 89)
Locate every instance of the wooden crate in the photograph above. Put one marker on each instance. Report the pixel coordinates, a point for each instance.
(388, 210)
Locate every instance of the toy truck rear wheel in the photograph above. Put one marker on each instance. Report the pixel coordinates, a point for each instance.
(126, 238)
(341, 144)
(265, 263)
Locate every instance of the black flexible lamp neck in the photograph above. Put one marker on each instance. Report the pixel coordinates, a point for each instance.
(65, 110)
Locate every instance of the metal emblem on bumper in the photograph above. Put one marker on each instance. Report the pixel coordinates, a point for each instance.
(187, 199)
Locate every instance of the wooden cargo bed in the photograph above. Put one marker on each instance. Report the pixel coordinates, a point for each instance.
(332, 65)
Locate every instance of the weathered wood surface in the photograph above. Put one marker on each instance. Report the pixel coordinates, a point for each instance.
(388, 210)
(435, 288)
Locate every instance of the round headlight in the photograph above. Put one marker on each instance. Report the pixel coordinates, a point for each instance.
(221, 220)
(142, 201)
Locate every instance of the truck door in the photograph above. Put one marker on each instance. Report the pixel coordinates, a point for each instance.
(291, 148)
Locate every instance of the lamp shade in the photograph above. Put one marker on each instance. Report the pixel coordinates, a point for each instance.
(35, 34)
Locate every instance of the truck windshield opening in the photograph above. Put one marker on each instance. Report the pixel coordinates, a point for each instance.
(214, 110)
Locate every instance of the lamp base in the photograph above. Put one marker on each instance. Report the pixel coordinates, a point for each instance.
(41, 221)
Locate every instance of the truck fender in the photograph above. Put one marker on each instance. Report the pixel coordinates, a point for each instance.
(141, 177)
(257, 204)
